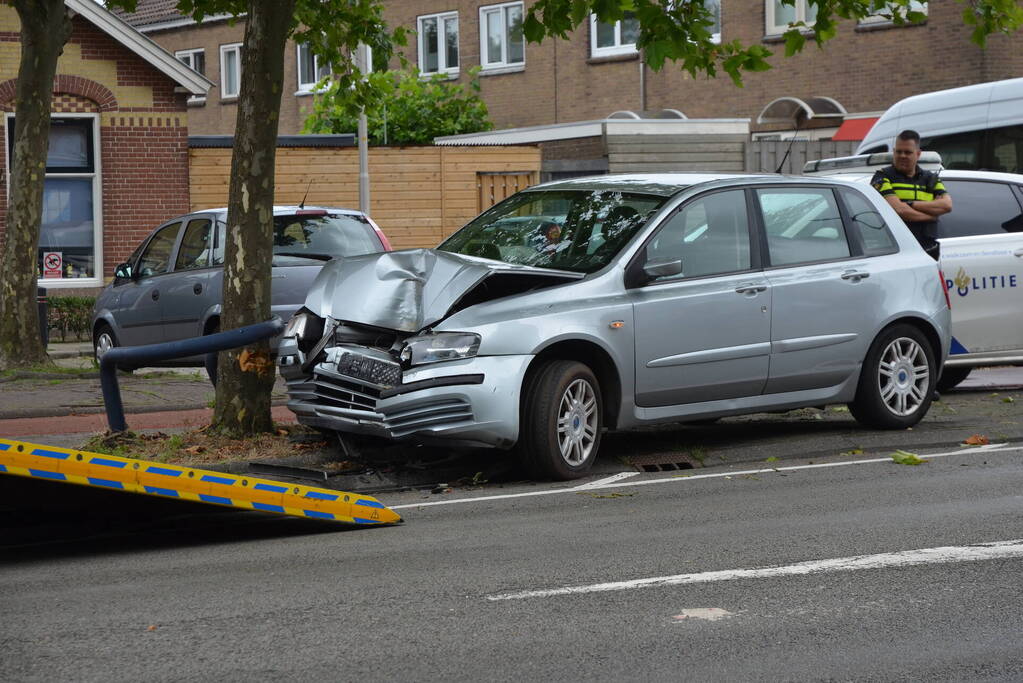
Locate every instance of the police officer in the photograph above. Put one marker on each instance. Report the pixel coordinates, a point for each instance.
(916, 195)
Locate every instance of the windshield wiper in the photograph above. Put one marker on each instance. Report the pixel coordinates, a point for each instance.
(305, 254)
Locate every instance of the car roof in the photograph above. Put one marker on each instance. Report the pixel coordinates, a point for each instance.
(285, 210)
(663, 184)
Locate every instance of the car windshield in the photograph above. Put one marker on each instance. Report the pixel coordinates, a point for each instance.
(577, 230)
(323, 236)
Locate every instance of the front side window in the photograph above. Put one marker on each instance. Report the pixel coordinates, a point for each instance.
(230, 70)
(780, 15)
(70, 236)
(438, 43)
(501, 39)
(577, 230)
(196, 246)
(194, 59)
(710, 235)
(803, 225)
(156, 257)
(311, 69)
(618, 38)
(980, 208)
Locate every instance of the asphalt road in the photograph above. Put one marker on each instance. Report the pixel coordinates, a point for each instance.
(153, 590)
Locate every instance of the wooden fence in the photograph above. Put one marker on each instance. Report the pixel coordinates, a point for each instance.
(763, 156)
(418, 195)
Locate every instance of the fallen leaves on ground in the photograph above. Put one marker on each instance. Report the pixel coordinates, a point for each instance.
(906, 458)
(852, 451)
(976, 440)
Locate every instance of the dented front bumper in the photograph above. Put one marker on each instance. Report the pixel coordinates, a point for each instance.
(353, 390)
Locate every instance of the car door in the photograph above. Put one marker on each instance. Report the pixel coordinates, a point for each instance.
(185, 292)
(702, 334)
(826, 293)
(139, 314)
(982, 260)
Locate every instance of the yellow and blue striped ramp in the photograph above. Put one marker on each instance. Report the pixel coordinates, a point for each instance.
(187, 483)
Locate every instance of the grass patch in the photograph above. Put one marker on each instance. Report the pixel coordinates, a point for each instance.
(200, 447)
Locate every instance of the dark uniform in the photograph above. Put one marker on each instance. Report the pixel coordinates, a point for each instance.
(924, 186)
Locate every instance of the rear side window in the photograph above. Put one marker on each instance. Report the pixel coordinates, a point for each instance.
(868, 224)
(195, 248)
(803, 225)
(980, 208)
(313, 237)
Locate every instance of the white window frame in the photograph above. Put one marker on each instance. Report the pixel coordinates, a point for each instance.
(97, 202)
(484, 46)
(192, 99)
(875, 19)
(618, 48)
(306, 88)
(442, 52)
(771, 26)
(224, 49)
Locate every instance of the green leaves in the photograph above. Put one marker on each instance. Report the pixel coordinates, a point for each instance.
(906, 458)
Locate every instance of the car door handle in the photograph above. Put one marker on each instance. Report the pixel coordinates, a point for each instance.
(750, 288)
(855, 275)
(1018, 252)
(197, 288)
(155, 294)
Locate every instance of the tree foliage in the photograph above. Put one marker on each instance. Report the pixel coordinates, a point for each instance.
(406, 110)
(679, 31)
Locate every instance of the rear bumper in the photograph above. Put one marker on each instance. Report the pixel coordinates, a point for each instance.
(467, 402)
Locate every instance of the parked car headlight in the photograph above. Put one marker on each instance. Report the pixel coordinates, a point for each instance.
(433, 348)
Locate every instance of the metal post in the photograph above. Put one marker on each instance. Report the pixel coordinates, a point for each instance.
(362, 59)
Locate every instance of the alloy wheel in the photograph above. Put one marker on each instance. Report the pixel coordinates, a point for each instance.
(903, 376)
(577, 422)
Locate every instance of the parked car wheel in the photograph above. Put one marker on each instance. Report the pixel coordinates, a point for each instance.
(951, 377)
(104, 339)
(561, 421)
(897, 380)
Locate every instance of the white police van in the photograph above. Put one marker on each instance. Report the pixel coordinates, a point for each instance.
(981, 257)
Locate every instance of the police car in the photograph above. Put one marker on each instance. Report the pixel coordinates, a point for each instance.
(981, 258)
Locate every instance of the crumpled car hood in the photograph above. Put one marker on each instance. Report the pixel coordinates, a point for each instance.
(414, 288)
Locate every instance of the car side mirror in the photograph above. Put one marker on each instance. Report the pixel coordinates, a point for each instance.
(662, 267)
(122, 271)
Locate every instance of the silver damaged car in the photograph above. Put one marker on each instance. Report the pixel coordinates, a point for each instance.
(613, 302)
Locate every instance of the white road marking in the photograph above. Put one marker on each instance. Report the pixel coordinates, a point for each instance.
(704, 613)
(905, 558)
(606, 480)
(693, 477)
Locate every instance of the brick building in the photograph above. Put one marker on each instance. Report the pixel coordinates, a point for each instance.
(864, 69)
(118, 154)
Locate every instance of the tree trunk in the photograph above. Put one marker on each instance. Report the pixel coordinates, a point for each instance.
(245, 376)
(45, 27)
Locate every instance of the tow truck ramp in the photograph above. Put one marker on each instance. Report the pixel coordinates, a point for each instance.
(115, 473)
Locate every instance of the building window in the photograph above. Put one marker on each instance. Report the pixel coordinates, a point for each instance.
(618, 38)
(780, 15)
(501, 40)
(438, 43)
(193, 59)
(70, 235)
(311, 69)
(877, 18)
(230, 70)
(714, 7)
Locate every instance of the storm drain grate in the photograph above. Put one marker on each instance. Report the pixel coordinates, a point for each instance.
(663, 462)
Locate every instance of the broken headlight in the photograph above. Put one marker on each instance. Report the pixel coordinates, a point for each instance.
(306, 327)
(433, 348)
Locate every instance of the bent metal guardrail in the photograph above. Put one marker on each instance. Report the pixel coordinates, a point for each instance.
(140, 355)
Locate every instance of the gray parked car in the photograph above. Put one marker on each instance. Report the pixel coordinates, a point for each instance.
(660, 298)
(171, 287)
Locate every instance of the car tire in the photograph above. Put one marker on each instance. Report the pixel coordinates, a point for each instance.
(896, 381)
(104, 339)
(951, 377)
(562, 417)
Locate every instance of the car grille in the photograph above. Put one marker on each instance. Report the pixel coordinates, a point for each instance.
(331, 390)
(438, 413)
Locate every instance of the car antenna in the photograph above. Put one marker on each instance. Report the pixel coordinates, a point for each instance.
(301, 204)
(789, 148)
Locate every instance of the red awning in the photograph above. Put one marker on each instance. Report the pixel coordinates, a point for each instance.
(854, 129)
